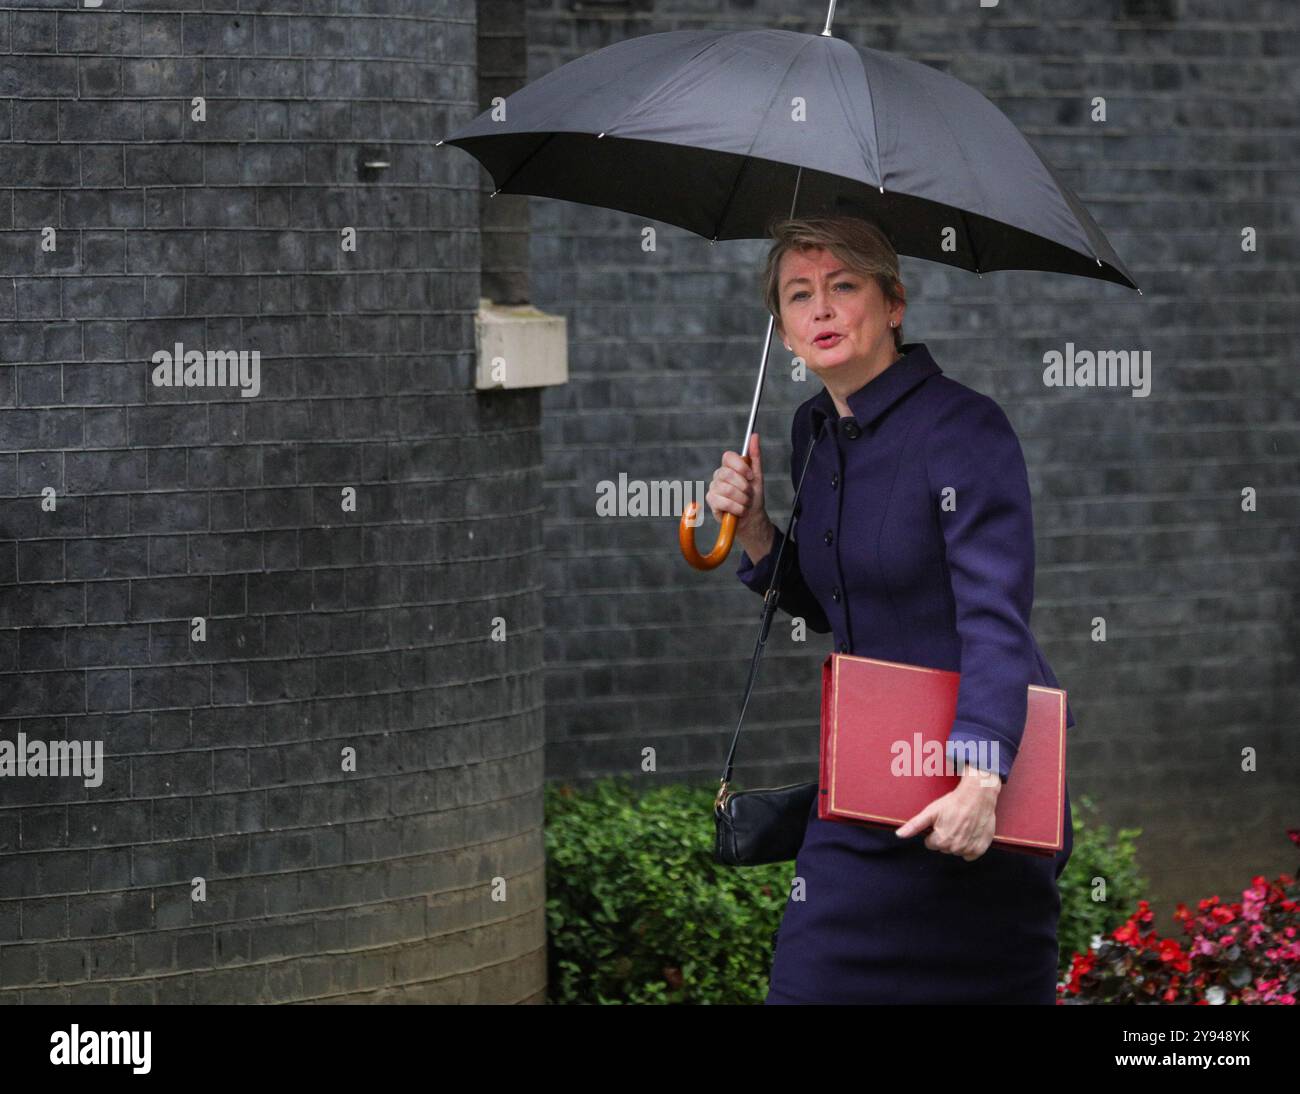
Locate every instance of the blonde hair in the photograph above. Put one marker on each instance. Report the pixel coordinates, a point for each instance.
(859, 244)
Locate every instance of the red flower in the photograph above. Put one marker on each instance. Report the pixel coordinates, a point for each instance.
(1126, 933)
(1263, 925)
(1082, 964)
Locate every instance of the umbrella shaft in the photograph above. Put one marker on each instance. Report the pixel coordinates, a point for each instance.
(830, 14)
(758, 387)
(771, 320)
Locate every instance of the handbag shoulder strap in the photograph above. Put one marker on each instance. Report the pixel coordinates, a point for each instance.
(769, 607)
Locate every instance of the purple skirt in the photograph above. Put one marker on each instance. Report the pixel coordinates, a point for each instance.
(884, 920)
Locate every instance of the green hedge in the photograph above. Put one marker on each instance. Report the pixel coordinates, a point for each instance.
(1096, 854)
(637, 911)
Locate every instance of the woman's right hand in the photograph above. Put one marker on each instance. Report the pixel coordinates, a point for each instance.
(737, 488)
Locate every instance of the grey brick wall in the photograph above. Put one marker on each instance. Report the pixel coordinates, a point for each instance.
(503, 220)
(1137, 501)
(326, 629)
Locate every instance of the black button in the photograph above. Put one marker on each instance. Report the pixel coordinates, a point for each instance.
(835, 480)
(852, 430)
(835, 594)
(828, 537)
(844, 647)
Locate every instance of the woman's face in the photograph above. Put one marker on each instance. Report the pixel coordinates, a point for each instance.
(833, 318)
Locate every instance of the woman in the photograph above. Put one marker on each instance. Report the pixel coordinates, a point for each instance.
(913, 543)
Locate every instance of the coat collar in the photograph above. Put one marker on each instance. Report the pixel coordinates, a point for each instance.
(881, 392)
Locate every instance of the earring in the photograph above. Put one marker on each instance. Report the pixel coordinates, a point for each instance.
(787, 345)
(893, 322)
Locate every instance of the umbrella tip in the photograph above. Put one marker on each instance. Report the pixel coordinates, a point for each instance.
(599, 135)
(495, 192)
(437, 143)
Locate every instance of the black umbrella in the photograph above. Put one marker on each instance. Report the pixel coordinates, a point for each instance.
(724, 132)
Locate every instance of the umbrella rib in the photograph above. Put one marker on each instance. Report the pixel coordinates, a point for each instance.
(711, 44)
(726, 205)
(1062, 189)
(970, 236)
(551, 135)
(848, 113)
(983, 197)
(961, 151)
(735, 182)
(525, 162)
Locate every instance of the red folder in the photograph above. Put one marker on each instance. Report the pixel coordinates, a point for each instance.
(884, 725)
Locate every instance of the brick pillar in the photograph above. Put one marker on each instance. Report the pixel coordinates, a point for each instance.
(275, 611)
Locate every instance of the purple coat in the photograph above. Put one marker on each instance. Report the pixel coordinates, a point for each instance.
(882, 563)
(947, 589)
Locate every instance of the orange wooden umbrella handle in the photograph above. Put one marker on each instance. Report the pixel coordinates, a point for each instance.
(722, 548)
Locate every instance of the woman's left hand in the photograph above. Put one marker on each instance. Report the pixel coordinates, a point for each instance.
(963, 819)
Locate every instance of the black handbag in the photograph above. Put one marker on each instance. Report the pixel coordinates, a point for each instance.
(755, 827)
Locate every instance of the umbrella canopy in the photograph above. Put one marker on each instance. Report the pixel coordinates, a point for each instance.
(719, 132)
(725, 132)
